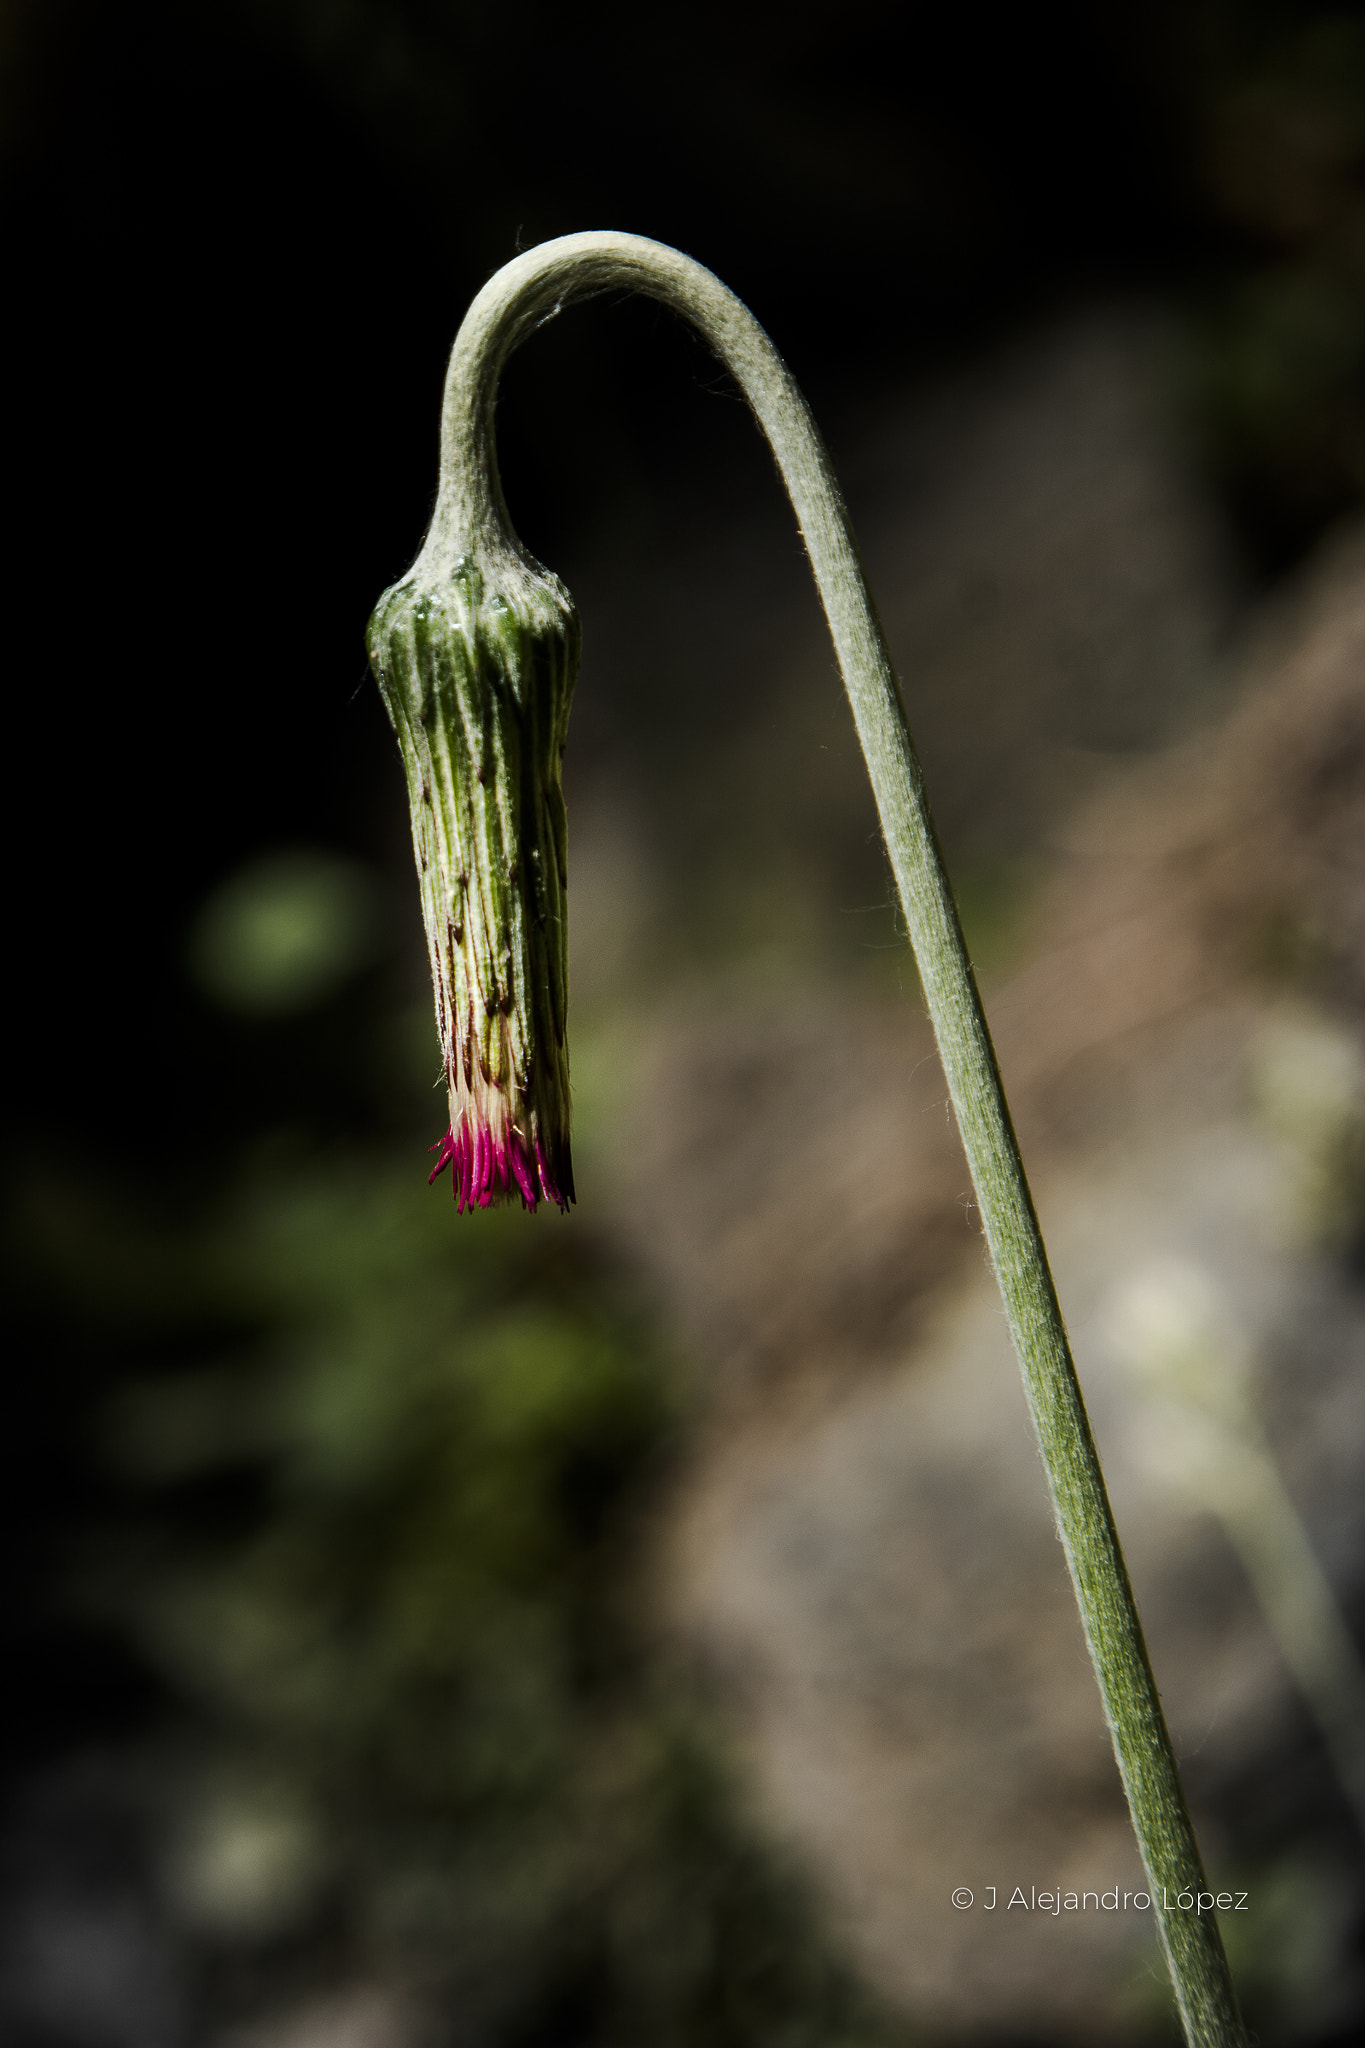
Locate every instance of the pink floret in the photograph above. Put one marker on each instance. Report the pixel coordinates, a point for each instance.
(446, 1148)
(485, 1169)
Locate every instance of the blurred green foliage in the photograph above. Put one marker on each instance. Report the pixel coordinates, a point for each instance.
(387, 1494)
(1277, 324)
(286, 932)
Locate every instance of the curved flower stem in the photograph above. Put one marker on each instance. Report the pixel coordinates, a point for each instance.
(471, 517)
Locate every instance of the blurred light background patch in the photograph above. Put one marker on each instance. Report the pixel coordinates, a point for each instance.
(287, 931)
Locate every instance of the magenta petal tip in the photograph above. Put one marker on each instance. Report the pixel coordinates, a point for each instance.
(488, 1168)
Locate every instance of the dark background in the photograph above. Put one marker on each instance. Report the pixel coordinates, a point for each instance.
(238, 240)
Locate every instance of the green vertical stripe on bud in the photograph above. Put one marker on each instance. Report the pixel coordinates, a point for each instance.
(476, 662)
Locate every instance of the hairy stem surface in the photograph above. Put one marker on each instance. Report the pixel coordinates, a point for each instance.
(471, 518)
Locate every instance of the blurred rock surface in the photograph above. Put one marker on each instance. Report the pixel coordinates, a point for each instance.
(863, 1558)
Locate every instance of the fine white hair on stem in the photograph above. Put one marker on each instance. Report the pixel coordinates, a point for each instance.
(471, 520)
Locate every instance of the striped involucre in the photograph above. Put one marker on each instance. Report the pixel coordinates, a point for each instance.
(476, 665)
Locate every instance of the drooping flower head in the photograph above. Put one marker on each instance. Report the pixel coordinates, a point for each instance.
(476, 661)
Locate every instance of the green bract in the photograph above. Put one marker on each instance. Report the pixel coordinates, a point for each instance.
(476, 661)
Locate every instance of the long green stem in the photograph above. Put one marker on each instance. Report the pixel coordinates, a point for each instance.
(471, 520)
